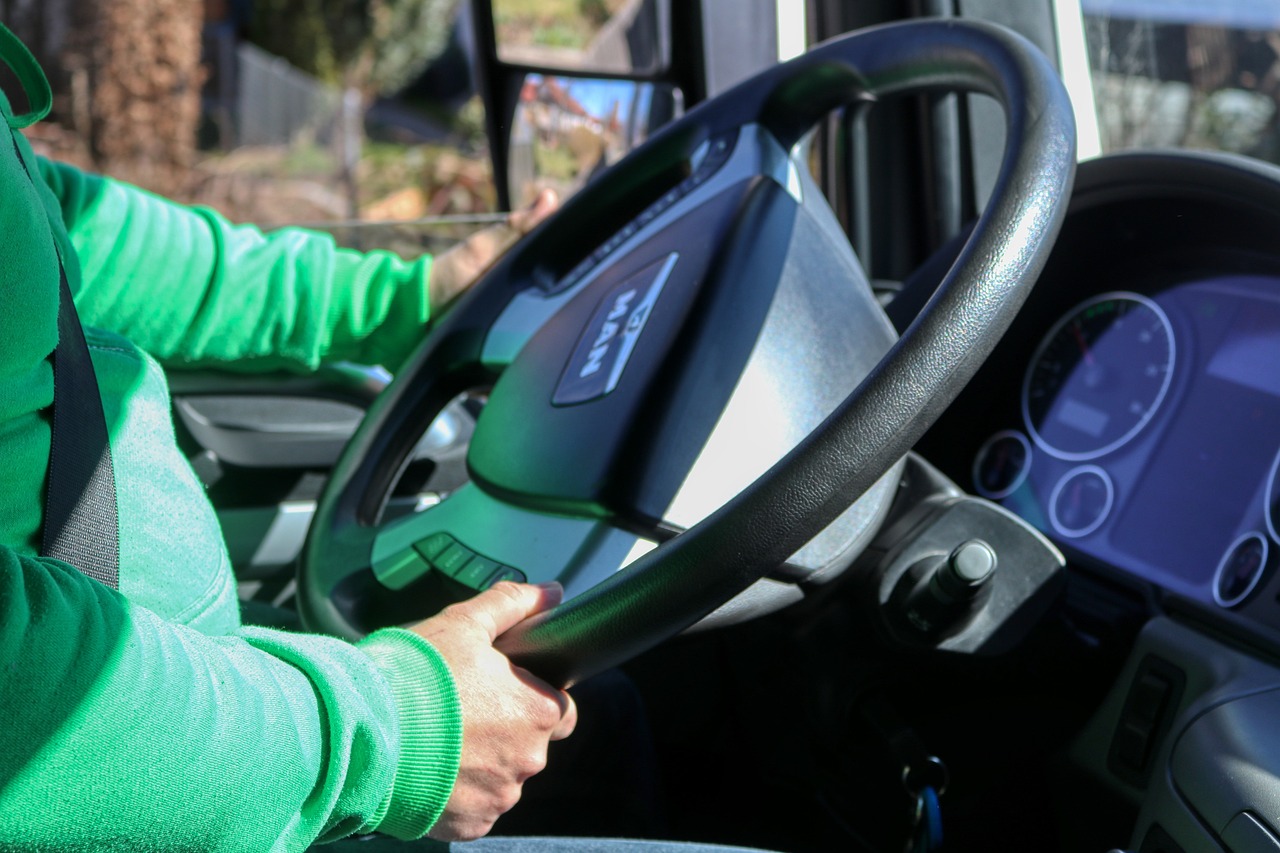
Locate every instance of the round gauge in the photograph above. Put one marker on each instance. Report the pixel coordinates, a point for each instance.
(1002, 464)
(1240, 570)
(1098, 376)
(1081, 501)
(1273, 500)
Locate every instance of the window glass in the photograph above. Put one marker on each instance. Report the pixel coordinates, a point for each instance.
(1199, 74)
(278, 115)
(623, 36)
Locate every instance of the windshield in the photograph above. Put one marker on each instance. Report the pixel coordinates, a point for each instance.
(1185, 74)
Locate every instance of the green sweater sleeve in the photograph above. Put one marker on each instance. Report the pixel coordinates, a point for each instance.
(125, 731)
(194, 290)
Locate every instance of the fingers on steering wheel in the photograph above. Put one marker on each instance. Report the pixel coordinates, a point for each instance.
(506, 604)
(568, 717)
(558, 712)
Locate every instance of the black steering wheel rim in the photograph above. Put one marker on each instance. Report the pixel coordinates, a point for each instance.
(667, 590)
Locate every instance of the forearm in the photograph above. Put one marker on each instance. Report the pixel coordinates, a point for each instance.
(124, 730)
(193, 289)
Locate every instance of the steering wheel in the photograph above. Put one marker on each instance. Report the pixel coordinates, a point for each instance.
(622, 336)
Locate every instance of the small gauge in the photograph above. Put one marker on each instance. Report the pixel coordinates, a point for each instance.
(1081, 501)
(1002, 464)
(1240, 569)
(1273, 500)
(1099, 376)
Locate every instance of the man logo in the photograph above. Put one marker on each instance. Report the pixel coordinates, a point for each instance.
(608, 339)
(607, 334)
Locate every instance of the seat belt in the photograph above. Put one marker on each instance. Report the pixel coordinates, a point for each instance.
(81, 524)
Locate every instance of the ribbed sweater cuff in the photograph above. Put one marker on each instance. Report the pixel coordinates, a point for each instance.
(430, 730)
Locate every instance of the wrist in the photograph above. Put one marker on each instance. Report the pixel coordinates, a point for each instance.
(430, 727)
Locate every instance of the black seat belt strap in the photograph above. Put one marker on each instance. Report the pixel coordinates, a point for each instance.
(81, 525)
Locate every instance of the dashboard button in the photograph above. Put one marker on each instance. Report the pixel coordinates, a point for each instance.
(476, 572)
(506, 573)
(1132, 743)
(433, 545)
(1145, 720)
(1149, 697)
(401, 569)
(453, 559)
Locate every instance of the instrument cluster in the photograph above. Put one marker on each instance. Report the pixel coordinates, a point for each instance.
(1150, 435)
(1132, 411)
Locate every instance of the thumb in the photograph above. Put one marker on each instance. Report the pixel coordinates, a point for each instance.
(507, 604)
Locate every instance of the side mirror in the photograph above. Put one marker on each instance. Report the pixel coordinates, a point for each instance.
(567, 130)
(570, 87)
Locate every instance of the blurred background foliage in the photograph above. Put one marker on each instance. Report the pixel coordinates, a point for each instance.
(273, 111)
(376, 46)
(552, 23)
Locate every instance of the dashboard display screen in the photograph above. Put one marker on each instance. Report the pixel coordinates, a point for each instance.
(1250, 354)
(1196, 492)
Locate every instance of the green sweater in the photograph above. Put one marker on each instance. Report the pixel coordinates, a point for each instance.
(149, 718)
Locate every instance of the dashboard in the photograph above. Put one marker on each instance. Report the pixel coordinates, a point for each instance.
(1132, 413)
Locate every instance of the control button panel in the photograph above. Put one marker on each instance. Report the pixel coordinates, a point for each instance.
(442, 554)
(1148, 712)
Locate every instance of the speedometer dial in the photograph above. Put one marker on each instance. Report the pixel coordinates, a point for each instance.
(1099, 376)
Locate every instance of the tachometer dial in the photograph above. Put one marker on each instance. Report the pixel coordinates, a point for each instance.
(1099, 376)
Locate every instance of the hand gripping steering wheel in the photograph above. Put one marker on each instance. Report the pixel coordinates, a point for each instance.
(606, 337)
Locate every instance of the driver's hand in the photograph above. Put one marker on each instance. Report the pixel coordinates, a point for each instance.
(508, 715)
(456, 269)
